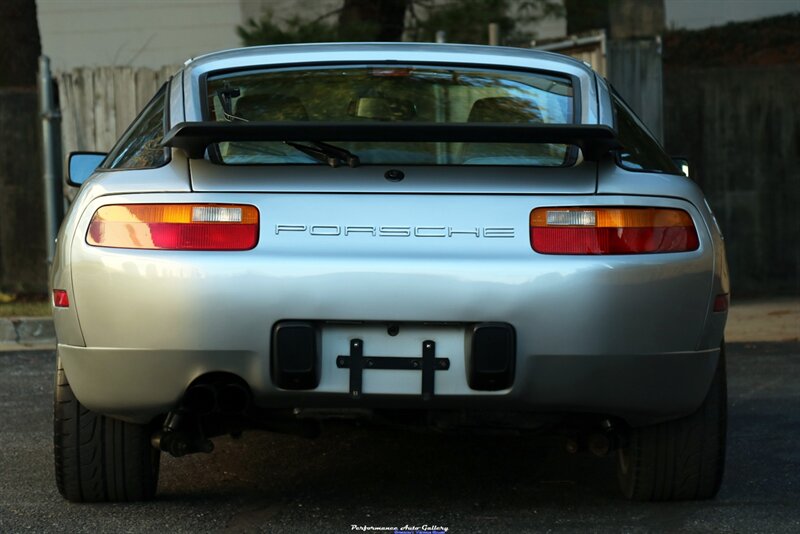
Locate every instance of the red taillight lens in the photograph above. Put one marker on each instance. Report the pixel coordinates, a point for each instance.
(175, 227)
(60, 298)
(611, 231)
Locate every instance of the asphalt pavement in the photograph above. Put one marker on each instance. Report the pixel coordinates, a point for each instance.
(357, 478)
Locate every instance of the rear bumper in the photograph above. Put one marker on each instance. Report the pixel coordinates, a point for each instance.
(641, 388)
(628, 336)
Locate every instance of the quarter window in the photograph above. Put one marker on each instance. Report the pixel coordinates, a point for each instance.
(641, 151)
(140, 145)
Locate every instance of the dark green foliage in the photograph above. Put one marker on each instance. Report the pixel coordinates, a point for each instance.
(769, 41)
(466, 21)
(356, 20)
(296, 30)
(463, 21)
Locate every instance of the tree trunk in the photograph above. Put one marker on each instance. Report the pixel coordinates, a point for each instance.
(23, 253)
(19, 44)
(378, 20)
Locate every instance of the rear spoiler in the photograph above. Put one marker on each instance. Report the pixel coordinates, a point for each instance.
(195, 137)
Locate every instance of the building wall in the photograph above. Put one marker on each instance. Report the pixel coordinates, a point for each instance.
(549, 28)
(141, 33)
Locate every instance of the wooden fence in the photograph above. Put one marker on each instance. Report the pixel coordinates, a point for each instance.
(740, 128)
(635, 71)
(97, 104)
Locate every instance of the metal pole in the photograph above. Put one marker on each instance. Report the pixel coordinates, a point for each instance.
(494, 34)
(51, 157)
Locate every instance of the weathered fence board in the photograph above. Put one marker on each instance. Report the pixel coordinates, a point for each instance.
(634, 68)
(740, 128)
(98, 104)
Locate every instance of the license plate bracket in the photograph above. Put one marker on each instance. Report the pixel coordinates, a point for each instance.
(428, 364)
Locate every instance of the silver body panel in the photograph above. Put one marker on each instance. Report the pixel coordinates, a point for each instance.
(207, 176)
(630, 336)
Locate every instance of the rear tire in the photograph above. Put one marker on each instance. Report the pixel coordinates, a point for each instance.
(682, 459)
(98, 458)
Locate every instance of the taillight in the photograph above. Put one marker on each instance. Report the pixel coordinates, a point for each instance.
(611, 231)
(175, 227)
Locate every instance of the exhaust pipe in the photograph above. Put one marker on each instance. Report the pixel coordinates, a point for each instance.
(180, 444)
(600, 445)
(178, 439)
(200, 399)
(233, 398)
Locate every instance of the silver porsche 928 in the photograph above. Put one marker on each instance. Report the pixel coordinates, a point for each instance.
(444, 236)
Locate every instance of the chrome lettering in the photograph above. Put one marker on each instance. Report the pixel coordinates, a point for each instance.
(421, 231)
(489, 232)
(473, 231)
(289, 228)
(395, 231)
(498, 232)
(359, 229)
(325, 230)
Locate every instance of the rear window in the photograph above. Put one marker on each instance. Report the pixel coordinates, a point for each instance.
(397, 93)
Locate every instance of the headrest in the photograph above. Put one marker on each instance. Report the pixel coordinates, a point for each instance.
(504, 109)
(262, 107)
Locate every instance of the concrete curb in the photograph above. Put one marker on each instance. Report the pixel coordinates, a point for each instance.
(27, 331)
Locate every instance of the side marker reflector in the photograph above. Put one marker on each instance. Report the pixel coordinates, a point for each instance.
(721, 303)
(60, 298)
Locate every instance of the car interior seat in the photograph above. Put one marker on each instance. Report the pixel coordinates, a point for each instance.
(506, 110)
(270, 107)
(265, 107)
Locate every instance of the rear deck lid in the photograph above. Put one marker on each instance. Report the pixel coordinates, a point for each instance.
(208, 176)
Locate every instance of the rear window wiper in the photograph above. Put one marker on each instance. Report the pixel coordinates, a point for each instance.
(329, 154)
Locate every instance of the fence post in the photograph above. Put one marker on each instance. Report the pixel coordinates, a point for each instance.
(494, 34)
(51, 157)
